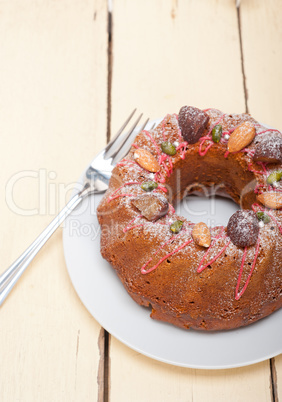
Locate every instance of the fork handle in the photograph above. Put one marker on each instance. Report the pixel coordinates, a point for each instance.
(10, 277)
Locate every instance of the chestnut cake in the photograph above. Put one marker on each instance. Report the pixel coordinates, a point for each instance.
(191, 275)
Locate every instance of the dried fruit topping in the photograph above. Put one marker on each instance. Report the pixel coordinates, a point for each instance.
(146, 160)
(274, 177)
(176, 226)
(152, 206)
(168, 148)
(269, 149)
(241, 137)
(201, 234)
(192, 122)
(149, 185)
(263, 217)
(271, 199)
(217, 133)
(243, 228)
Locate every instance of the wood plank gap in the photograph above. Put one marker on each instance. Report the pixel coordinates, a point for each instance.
(242, 60)
(273, 380)
(110, 60)
(103, 371)
(106, 366)
(101, 368)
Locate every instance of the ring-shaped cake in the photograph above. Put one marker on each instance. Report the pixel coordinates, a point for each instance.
(192, 275)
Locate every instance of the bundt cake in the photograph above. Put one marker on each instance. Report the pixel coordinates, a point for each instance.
(191, 275)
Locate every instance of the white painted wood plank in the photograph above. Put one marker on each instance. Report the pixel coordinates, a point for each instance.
(165, 55)
(261, 38)
(170, 53)
(278, 376)
(262, 34)
(143, 379)
(53, 101)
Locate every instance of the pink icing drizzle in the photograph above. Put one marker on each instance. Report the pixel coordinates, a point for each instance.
(153, 141)
(275, 220)
(128, 227)
(163, 126)
(253, 170)
(143, 271)
(263, 165)
(160, 248)
(242, 291)
(126, 162)
(162, 188)
(258, 187)
(159, 177)
(203, 153)
(256, 207)
(248, 151)
(171, 209)
(182, 146)
(200, 269)
(113, 196)
(267, 130)
(208, 137)
(120, 195)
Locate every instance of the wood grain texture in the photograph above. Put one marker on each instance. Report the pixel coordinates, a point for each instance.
(53, 118)
(278, 379)
(143, 379)
(261, 37)
(178, 52)
(53, 101)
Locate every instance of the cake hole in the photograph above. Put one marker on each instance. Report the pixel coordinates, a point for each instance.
(168, 261)
(213, 210)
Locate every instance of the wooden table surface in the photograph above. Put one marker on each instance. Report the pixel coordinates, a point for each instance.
(69, 75)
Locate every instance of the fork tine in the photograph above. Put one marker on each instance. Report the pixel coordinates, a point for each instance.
(112, 153)
(144, 125)
(127, 145)
(119, 131)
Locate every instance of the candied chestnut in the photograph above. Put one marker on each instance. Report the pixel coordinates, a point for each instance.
(269, 149)
(243, 228)
(192, 122)
(152, 206)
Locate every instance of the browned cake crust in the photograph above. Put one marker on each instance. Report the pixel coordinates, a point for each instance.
(162, 263)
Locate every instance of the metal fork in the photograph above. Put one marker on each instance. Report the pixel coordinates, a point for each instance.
(96, 180)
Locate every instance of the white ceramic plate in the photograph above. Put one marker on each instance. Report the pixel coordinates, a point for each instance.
(108, 302)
